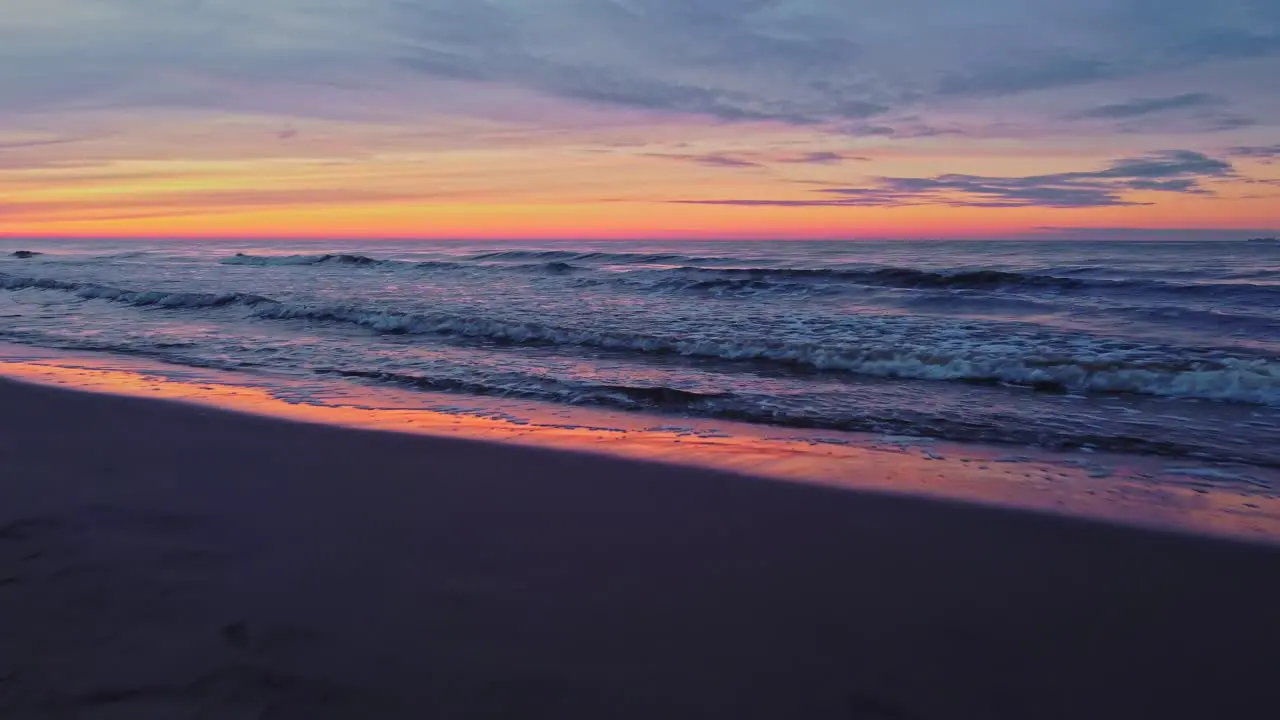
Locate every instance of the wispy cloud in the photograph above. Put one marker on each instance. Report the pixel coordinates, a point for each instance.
(195, 202)
(31, 154)
(762, 158)
(822, 157)
(1033, 73)
(1140, 233)
(770, 92)
(898, 129)
(1140, 107)
(1265, 153)
(710, 160)
(826, 60)
(24, 144)
(736, 60)
(1175, 171)
(1185, 113)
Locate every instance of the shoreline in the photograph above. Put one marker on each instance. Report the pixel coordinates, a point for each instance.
(164, 559)
(1173, 494)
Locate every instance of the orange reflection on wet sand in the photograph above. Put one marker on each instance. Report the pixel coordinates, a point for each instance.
(1133, 490)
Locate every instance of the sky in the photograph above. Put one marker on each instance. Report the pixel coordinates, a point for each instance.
(640, 118)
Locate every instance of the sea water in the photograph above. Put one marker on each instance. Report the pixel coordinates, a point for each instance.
(1151, 348)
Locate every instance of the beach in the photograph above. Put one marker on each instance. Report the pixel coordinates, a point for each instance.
(159, 559)
(639, 360)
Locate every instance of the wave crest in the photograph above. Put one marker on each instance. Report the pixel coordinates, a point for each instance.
(288, 260)
(144, 298)
(1238, 379)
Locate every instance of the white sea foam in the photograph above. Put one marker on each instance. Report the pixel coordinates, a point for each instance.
(1247, 380)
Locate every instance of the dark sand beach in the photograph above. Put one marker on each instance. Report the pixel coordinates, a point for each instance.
(159, 560)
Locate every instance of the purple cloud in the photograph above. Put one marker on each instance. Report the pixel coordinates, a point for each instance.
(1174, 171)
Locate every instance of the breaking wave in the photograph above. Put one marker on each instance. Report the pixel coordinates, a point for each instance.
(285, 260)
(699, 278)
(728, 406)
(1173, 372)
(145, 298)
(717, 405)
(364, 261)
(627, 397)
(343, 259)
(1246, 380)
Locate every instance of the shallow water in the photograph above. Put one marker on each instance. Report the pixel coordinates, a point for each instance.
(1169, 349)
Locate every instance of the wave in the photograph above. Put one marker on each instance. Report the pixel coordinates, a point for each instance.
(364, 261)
(758, 409)
(809, 281)
(763, 410)
(129, 255)
(778, 280)
(145, 298)
(559, 260)
(614, 257)
(342, 259)
(982, 280)
(536, 255)
(1247, 380)
(1247, 324)
(1177, 373)
(627, 397)
(286, 260)
(687, 277)
(740, 285)
(901, 277)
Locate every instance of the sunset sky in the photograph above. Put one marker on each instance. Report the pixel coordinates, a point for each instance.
(640, 118)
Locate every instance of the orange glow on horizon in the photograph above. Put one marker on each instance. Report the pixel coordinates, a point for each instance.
(637, 220)
(349, 181)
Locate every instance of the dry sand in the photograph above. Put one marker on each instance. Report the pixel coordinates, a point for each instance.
(159, 560)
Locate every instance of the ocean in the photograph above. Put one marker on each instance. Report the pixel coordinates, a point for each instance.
(1147, 348)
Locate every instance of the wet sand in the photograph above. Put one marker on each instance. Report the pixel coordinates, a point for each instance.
(160, 560)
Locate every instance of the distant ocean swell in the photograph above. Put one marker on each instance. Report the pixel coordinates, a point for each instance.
(1172, 372)
(685, 274)
(144, 298)
(505, 255)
